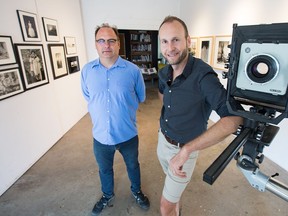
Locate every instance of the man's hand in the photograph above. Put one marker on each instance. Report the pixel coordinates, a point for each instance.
(177, 162)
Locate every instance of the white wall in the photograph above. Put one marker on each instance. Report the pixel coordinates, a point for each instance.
(32, 122)
(125, 14)
(209, 17)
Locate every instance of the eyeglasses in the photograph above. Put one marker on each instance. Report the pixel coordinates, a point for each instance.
(109, 41)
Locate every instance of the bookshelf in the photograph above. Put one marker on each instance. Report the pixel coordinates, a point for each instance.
(140, 47)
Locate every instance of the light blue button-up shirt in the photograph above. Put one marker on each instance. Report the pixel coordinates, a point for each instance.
(113, 96)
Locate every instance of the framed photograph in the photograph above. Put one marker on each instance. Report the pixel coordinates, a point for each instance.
(205, 49)
(70, 44)
(32, 62)
(10, 83)
(7, 55)
(194, 47)
(221, 52)
(73, 64)
(29, 26)
(58, 60)
(51, 29)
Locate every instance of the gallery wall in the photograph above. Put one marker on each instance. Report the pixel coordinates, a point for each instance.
(146, 15)
(33, 121)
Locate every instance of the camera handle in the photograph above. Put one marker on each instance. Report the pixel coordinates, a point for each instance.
(253, 137)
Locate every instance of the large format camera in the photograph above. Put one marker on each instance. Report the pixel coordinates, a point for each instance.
(258, 70)
(263, 68)
(258, 80)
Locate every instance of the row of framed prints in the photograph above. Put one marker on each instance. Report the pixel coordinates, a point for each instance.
(30, 28)
(212, 49)
(23, 65)
(27, 69)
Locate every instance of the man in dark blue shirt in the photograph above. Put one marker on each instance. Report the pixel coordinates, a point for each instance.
(190, 90)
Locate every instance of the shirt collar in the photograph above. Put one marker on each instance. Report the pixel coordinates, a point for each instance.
(119, 63)
(188, 68)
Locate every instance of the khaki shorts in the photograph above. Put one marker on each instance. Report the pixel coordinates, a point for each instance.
(174, 185)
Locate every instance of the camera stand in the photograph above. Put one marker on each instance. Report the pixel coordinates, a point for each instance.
(258, 79)
(253, 137)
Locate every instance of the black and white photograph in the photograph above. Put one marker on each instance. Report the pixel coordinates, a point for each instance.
(7, 55)
(58, 60)
(33, 66)
(29, 26)
(70, 44)
(10, 83)
(206, 47)
(51, 29)
(221, 52)
(73, 64)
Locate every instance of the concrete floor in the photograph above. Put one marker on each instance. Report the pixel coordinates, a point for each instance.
(65, 180)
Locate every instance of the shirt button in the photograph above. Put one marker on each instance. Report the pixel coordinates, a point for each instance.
(170, 91)
(166, 120)
(168, 106)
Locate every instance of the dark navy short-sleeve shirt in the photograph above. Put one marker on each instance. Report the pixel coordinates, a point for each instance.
(189, 100)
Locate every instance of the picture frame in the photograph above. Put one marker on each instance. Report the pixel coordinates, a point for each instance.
(10, 83)
(58, 60)
(221, 51)
(51, 29)
(29, 26)
(7, 54)
(70, 45)
(194, 49)
(73, 64)
(33, 65)
(205, 49)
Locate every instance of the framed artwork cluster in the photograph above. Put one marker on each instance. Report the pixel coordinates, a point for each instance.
(23, 66)
(71, 49)
(213, 50)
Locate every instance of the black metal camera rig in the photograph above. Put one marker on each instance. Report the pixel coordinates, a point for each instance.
(265, 102)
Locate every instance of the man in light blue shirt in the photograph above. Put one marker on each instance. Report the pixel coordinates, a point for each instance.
(113, 88)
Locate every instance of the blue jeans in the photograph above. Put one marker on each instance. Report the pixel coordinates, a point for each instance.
(104, 155)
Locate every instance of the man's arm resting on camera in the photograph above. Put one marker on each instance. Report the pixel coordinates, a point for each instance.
(215, 134)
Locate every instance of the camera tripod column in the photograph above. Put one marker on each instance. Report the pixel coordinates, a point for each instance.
(262, 135)
(254, 136)
(259, 180)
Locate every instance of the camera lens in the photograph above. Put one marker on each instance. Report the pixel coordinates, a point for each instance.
(262, 68)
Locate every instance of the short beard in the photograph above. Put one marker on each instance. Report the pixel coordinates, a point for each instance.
(181, 58)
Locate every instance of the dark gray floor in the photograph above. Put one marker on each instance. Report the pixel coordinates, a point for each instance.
(65, 180)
